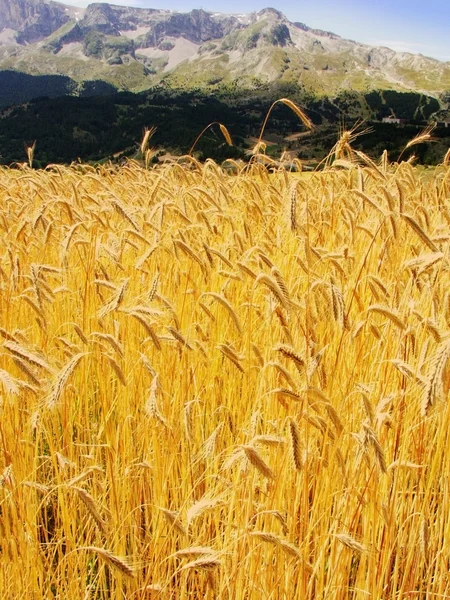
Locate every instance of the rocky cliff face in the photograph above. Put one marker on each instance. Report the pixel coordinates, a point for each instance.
(113, 19)
(32, 19)
(197, 26)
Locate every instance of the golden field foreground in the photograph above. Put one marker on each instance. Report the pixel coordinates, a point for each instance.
(227, 386)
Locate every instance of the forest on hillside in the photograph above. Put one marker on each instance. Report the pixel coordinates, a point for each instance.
(96, 127)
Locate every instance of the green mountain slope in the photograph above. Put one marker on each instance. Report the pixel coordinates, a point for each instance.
(135, 49)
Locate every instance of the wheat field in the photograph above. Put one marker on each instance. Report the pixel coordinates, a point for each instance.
(225, 385)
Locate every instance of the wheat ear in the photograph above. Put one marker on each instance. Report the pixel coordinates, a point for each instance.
(62, 379)
(349, 542)
(208, 562)
(118, 562)
(28, 356)
(294, 439)
(151, 406)
(434, 382)
(224, 302)
(90, 504)
(257, 461)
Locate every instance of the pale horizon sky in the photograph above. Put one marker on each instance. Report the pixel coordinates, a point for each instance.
(403, 25)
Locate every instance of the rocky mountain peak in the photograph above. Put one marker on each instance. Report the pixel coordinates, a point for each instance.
(102, 17)
(271, 12)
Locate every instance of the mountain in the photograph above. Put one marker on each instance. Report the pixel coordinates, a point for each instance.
(84, 83)
(136, 48)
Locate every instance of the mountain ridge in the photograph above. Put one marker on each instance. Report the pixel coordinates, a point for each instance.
(137, 48)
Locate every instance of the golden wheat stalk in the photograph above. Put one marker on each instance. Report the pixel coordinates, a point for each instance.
(8, 336)
(173, 518)
(287, 392)
(338, 304)
(423, 262)
(369, 201)
(10, 383)
(200, 507)
(223, 129)
(179, 337)
(80, 334)
(257, 352)
(27, 370)
(290, 353)
(120, 563)
(281, 283)
(226, 304)
(389, 313)
(257, 461)
(275, 288)
(209, 562)
(406, 370)
(334, 417)
(267, 440)
(83, 475)
(194, 551)
(115, 302)
(148, 133)
(123, 212)
(117, 370)
(91, 505)
(275, 540)
(30, 153)
(189, 252)
(420, 232)
(434, 382)
(295, 446)
(293, 207)
(111, 340)
(188, 419)
(232, 355)
(30, 357)
(424, 538)
(151, 406)
(295, 109)
(209, 445)
(349, 542)
(424, 136)
(220, 255)
(278, 516)
(369, 162)
(402, 464)
(61, 380)
(147, 326)
(372, 438)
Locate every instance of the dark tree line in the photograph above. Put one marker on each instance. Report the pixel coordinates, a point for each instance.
(99, 127)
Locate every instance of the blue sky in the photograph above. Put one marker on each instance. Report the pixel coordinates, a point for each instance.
(407, 25)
